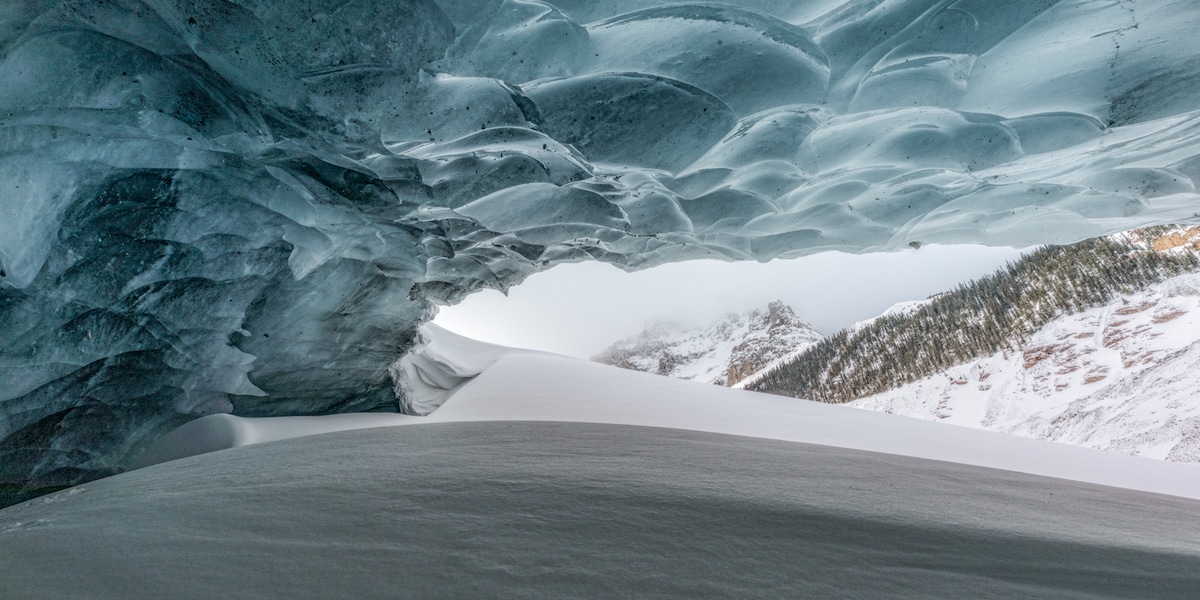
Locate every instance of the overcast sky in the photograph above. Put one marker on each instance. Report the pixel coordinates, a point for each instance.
(580, 309)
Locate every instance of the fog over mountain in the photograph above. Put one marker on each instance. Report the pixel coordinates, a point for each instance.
(723, 352)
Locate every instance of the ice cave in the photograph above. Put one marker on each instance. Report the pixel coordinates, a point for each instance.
(250, 207)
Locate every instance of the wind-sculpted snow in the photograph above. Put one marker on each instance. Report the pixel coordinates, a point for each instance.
(214, 206)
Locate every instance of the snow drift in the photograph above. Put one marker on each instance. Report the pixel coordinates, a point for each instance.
(464, 380)
(550, 477)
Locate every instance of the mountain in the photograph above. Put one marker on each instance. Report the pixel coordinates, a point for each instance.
(723, 352)
(983, 316)
(1120, 377)
(1095, 344)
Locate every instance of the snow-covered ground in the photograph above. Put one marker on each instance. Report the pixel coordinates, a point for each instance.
(572, 510)
(1123, 377)
(545, 476)
(523, 385)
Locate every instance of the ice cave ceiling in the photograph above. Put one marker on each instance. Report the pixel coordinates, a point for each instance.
(248, 205)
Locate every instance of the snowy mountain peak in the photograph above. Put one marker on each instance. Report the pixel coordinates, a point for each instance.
(723, 352)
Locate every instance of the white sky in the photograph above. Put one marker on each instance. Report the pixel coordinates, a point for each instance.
(580, 309)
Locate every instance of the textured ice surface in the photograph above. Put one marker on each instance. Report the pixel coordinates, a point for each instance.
(211, 206)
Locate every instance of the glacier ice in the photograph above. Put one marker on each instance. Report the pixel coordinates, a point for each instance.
(213, 206)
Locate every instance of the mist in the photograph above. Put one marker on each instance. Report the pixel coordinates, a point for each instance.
(580, 309)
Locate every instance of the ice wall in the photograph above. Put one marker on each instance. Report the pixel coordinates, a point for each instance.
(248, 206)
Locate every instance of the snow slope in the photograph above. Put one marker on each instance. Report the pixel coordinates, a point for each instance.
(571, 510)
(1122, 377)
(523, 385)
(552, 477)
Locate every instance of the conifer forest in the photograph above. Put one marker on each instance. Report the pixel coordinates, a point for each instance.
(977, 318)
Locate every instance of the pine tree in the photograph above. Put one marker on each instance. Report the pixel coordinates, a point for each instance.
(978, 318)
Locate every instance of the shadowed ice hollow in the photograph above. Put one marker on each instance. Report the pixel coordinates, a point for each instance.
(249, 206)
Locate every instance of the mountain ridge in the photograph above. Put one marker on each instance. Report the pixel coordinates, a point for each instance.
(1093, 344)
(723, 352)
(984, 316)
(1120, 377)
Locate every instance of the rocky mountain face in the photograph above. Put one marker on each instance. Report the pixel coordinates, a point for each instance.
(723, 352)
(1079, 359)
(1123, 377)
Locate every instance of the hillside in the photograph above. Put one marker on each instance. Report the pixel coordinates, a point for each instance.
(1003, 311)
(1120, 377)
(1095, 344)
